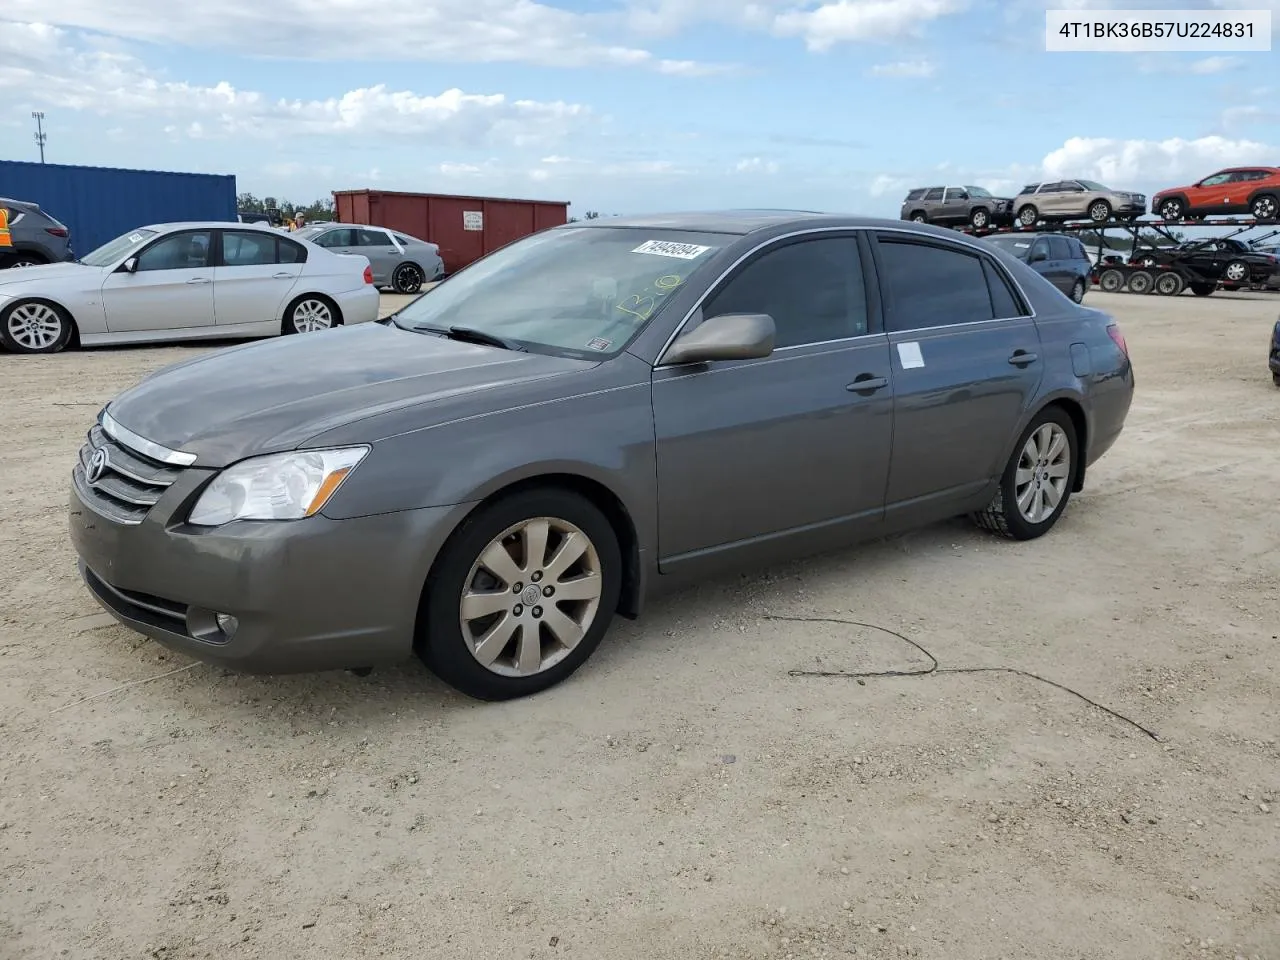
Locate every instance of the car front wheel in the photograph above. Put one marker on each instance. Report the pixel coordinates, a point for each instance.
(1036, 483)
(34, 326)
(521, 595)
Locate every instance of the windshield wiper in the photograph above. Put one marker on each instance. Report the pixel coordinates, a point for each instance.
(466, 335)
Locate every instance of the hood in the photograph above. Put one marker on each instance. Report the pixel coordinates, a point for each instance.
(48, 271)
(276, 394)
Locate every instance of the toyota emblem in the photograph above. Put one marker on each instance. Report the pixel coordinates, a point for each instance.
(97, 465)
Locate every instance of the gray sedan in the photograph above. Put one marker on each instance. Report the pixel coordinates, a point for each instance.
(399, 261)
(589, 415)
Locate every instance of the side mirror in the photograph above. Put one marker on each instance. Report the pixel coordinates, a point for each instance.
(729, 336)
(130, 265)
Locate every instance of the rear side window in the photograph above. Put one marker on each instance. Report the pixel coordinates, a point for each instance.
(291, 252)
(932, 286)
(934, 194)
(915, 194)
(373, 238)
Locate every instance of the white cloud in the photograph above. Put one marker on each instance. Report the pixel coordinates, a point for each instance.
(40, 66)
(1214, 65)
(756, 165)
(476, 31)
(885, 183)
(844, 21)
(1161, 163)
(912, 69)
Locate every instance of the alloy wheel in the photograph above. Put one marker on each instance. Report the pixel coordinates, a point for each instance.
(979, 219)
(34, 326)
(530, 597)
(1264, 208)
(1171, 210)
(407, 278)
(311, 315)
(1100, 212)
(1077, 291)
(1043, 472)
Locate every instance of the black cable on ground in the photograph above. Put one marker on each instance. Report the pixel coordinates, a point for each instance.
(934, 668)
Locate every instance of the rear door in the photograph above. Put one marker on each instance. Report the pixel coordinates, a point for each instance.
(254, 276)
(955, 205)
(966, 367)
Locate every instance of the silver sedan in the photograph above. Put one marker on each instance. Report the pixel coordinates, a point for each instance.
(399, 261)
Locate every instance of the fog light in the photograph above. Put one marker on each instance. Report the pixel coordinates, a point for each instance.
(227, 624)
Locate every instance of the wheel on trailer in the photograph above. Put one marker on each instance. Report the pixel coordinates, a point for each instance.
(1028, 215)
(979, 219)
(1169, 284)
(1110, 281)
(919, 217)
(1100, 211)
(1265, 207)
(1172, 209)
(1237, 271)
(1202, 289)
(1141, 282)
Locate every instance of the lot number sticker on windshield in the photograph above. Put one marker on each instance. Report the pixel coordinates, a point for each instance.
(135, 237)
(666, 248)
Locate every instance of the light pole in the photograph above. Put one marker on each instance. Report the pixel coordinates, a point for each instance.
(41, 136)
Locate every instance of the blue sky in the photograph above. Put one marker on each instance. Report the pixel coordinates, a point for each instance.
(623, 106)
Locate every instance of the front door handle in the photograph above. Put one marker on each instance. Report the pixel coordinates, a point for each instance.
(198, 280)
(1020, 358)
(867, 384)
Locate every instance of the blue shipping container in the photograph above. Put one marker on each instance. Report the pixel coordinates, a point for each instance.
(98, 204)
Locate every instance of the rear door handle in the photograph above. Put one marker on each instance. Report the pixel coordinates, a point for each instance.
(867, 384)
(1020, 358)
(198, 280)
(281, 276)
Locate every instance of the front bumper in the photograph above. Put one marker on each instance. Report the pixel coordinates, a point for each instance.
(308, 595)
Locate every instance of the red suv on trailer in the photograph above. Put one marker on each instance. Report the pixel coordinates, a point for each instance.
(1249, 190)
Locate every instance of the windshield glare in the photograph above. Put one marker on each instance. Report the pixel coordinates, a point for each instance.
(978, 192)
(584, 291)
(115, 250)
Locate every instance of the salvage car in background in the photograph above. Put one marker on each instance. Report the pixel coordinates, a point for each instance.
(1237, 190)
(36, 236)
(1060, 259)
(1059, 200)
(957, 206)
(1211, 261)
(184, 281)
(582, 417)
(399, 261)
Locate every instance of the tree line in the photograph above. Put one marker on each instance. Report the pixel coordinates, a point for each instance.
(285, 209)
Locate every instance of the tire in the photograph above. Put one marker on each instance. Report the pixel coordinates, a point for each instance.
(1141, 282)
(12, 261)
(1052, 472)
(1028, 216)
(446, 643)
(1265, 207)
(1275, 378)
(311, 312)
(919, 217)
(1237, 272)
(979, 218)
(1169, 284)
(35, 326)
(1202, 289)
(1172, 209)
(407, 278)
(1100, 211)
(1077, 291)
(1110, 281)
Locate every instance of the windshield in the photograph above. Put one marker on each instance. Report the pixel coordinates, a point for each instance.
(978, 192)
(584, 291)
(1018, 246)
(115, 250)
(1093, 185)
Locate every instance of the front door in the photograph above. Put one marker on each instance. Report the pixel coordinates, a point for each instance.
(254, 277)
(966, 366)
(752, 450)
(172, 288)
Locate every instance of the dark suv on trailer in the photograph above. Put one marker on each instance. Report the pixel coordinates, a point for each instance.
(37, 237)
(953, 206)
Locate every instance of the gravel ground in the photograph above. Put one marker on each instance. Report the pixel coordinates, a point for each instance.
(684, 796)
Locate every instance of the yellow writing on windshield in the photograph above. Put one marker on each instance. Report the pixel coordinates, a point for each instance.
(643, 305)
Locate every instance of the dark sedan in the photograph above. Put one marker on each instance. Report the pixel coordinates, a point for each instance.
(1227, 261)
(586, 416)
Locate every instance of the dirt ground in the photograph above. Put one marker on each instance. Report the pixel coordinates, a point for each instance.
(684, 796)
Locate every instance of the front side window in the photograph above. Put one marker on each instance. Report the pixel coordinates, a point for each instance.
(1216, 180)
(812, 289)
(180, 251)
(928, 285)
(335, 238)
(979, 193)
(575, 291)
(1059, 249)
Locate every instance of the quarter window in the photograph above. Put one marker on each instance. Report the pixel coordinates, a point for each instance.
(1003, 302)
(180, 251)
(812, 289)
(932, 286)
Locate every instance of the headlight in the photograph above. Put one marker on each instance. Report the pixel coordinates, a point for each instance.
(280, 486)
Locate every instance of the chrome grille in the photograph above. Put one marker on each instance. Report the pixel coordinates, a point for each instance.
(127, 483)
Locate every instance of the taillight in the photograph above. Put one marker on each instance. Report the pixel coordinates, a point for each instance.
(1113, 331)
(368, 274)
(56, 231)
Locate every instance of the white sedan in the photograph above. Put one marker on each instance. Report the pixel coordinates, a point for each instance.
(184, 281)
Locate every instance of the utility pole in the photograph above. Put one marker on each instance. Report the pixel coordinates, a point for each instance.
(41, 136)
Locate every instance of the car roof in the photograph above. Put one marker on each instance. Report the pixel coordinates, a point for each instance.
(207, 225)
(738, 222)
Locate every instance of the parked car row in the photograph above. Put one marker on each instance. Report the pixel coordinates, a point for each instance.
(1254, 191)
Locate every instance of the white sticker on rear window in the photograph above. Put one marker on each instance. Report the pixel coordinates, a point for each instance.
(667, 248)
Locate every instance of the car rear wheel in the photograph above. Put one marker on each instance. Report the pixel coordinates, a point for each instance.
(979, 219)
(1169, 284)
(1110, 281)
(1172, 209)
(1275, 378)
(521, 595)
(407, 278)
(1077, 291)
(309, 313)
(1237, 271)
(919, 217)
(34, 326)
(1100, 211)
(1141, 282)
(1265, 207)
(14, 260)
(1028, 215)
(1036, 483)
